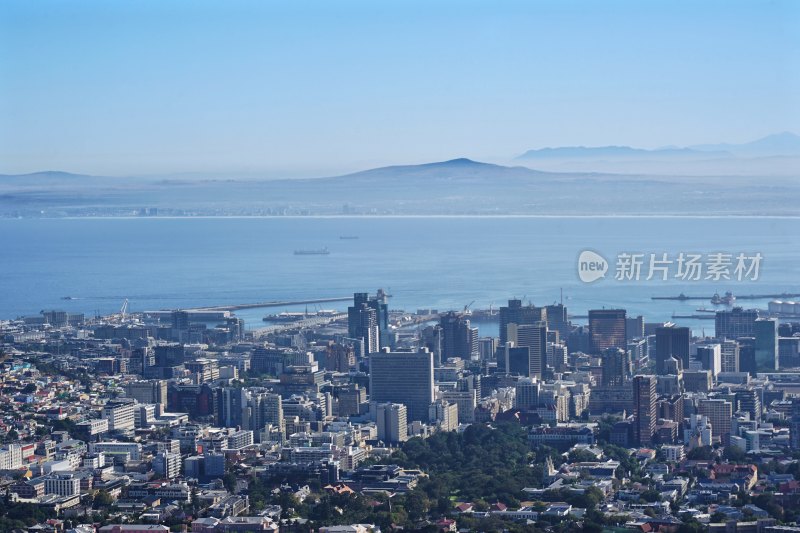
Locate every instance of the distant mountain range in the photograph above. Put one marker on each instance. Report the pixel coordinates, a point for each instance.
(774, 155)
(748, 179)
(779, 144)
(594, 152)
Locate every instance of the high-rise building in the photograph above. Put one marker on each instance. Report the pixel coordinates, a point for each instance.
(730, 355)
(788, 352)
(710, 356)
(607, 329)
(794, 424)
(735, 323)
(616, 367)
(526, 395)
(672, 341)
(392, 422)
(169, 355)
(513, 360)
(362, 323)
(444, 415)
(356, 323)
(466, 401)
(719, 413)
(262, 408)
(516, 313)
(403, 377)
(120, 414)
(644, 409)
(230, 403)
(747, 355)
(487, 347)
(459, 339)
(634, 327)
(167, 464)
(533, 337)
(749, 401)
(766, 349)
(339, 357)
(148, 391)
(558, 319)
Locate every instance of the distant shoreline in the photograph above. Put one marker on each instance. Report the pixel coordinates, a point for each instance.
(453, 216)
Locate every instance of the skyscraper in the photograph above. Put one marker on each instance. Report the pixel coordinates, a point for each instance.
(557, 319)
(794, 424)
(533, 337)
(672, 341)
(459, 339)
(616, 367)
(766, 334)
(229, 409)
(169, 355)
(730, 355)
(644, 409)
(607, 329)
(710, 355)
(735, 323)
(356, 323)
(634, 327)
(262, 408)
(747, 354)
(514, 360)
(403, 377)
(719, 413)
(391, 419)
(516, 313)
(362, 323)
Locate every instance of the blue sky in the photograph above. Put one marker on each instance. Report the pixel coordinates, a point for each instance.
(306, 87)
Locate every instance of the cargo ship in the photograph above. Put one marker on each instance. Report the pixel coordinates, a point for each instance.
(321, 251)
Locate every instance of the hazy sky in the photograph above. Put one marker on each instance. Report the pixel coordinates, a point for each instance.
(300, 87)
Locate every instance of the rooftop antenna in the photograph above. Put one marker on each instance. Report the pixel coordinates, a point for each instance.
(562, 295)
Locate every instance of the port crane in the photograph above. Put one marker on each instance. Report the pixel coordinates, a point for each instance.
(124, 309)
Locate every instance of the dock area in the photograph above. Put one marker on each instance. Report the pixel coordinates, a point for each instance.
(273, 303)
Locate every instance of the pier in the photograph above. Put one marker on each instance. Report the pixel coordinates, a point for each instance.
(683, 297)
(274, 303)
(305, 323)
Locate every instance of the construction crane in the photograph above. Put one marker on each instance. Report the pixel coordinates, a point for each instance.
(124, 309)
(466, 307)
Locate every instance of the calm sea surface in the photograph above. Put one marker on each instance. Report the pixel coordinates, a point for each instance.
(443, 263)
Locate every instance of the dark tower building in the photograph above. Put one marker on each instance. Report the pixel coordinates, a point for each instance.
(380, 305)
(458, 338)
(169, 355)
(766, 334)
(747, 355)
(516, 313)
(735, 323)
(607, 329)
(616, 367)
(644, 409)
(672, 341)
(362, 323)
(557, 319)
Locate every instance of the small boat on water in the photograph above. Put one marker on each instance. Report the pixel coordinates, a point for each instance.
(321, 251)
